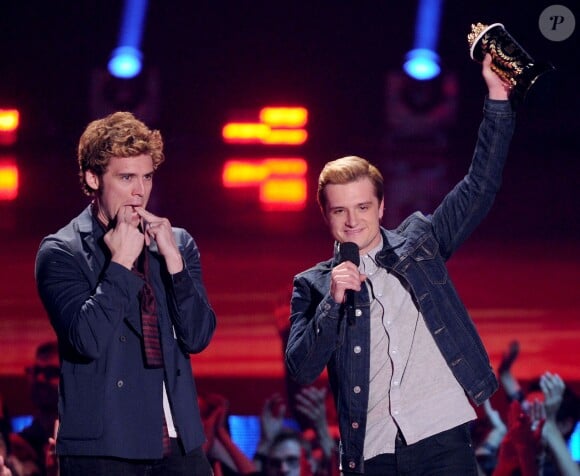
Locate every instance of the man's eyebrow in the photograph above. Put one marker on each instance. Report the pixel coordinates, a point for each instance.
(368, 202)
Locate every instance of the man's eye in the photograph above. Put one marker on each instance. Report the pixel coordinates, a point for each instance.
(125, 177)
(149, 177)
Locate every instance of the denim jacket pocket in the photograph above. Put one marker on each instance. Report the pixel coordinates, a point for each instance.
(427, 256)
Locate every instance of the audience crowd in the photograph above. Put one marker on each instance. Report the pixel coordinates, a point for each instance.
(525, 432)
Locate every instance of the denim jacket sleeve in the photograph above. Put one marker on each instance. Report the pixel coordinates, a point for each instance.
(316, 327)
(468, 203)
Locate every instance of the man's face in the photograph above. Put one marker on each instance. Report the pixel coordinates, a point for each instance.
(284, 459)
(126, 184)
(353, 213)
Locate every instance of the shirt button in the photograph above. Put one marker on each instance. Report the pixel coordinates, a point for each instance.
(395, 382)
(355, 425)
(357, 349)
(351, 464)
(120, 383)
(122, 338)
(358, 313)
(356, 389)
(395, 412)
(394, 351)
(380, 294)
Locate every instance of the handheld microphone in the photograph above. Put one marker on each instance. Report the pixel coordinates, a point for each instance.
(349, 251)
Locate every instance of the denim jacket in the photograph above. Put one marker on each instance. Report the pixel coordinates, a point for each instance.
(416, 252)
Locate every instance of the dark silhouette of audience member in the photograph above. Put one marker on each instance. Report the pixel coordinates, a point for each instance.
(286, 456)
(284, 451)
(43, 378)
(7, 466)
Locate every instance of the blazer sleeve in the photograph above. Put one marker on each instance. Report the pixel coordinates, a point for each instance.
(192, 316)
(85, 305)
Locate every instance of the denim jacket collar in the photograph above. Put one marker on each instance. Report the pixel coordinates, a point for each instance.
(391, 241)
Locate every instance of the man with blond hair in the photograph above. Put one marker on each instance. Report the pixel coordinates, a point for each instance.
(402, 354)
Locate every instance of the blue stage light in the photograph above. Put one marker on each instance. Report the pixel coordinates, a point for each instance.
(422, 64)
(125, 62)
(126, 59)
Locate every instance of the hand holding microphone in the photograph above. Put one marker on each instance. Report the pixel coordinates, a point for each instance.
(346, 279)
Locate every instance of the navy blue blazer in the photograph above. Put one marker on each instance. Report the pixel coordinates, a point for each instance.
(110, 404)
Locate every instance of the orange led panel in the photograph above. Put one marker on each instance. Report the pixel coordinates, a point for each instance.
(8, 180)
(9, 120)
(285, 137)
(295, 117)
(245, 132)
(244, 173)
(286, 166)
(283, 194)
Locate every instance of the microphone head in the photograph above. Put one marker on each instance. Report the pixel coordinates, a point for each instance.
(348, 251)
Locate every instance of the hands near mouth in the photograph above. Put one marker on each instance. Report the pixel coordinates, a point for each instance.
(126, 239)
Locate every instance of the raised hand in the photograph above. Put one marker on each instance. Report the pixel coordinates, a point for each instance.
(159, 229)
(497, 88)
(552, 387)
(125, 240)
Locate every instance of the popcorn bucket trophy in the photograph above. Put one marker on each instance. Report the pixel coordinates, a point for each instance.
(508, 59)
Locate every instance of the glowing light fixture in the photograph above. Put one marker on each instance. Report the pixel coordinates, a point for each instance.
(281, 181)
(8, 179)
(286, 137)
(239, 132)
(283, 194)
(277, 126)
(127, 60)
(422, 62)
(244, 173)
(9, 122)
(284, 116)
(286, 166)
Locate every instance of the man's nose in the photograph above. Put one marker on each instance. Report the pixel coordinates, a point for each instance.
(351, 218)
(139, 188)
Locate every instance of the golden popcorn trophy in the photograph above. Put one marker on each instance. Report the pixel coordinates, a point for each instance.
(508, 59)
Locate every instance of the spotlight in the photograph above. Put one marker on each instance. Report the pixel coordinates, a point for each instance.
(125, 62)
(126, 59)
(422, 64)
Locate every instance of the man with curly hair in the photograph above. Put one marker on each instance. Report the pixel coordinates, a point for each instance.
(124, 292)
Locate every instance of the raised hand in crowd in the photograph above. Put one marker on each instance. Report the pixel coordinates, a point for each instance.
(220, 449)
(522, 443)
(553, 388)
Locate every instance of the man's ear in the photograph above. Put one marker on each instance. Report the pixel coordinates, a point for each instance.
(92, 180)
